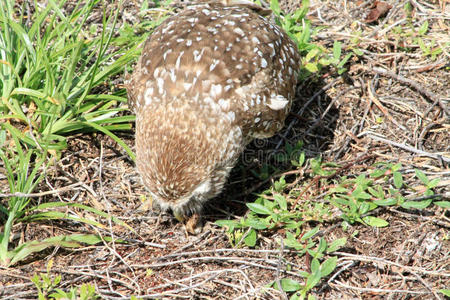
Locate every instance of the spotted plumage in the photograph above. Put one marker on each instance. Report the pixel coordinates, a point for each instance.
(210, 79)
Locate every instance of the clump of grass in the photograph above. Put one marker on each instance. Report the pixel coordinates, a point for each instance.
(24, 171)
(53, 72)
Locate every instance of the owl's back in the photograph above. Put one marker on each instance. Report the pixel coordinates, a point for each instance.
(228, 60)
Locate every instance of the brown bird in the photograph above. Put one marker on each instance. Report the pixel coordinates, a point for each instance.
(210, 79)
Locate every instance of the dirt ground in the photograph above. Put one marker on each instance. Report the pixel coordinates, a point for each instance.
(390, 106)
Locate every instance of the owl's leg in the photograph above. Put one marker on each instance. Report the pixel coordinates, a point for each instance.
(192, 224)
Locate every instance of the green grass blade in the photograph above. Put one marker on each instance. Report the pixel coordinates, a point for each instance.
(114, 137)
(49, 205)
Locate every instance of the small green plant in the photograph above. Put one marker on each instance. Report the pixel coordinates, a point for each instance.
(318, 272)
(266, 213)
(359, 196)
(271, 211)
(292, 154)
(23, 176)
(427, 49)
(314, 57)
(410, 37)
(286, 208)
(47, 286)
(354, 197)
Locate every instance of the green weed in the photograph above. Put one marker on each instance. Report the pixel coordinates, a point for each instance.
(47, 286)
(314, 57)
(289, 209)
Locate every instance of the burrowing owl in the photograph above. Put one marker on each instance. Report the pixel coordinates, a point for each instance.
(210, 79)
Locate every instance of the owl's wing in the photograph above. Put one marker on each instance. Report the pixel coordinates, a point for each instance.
(266, 85)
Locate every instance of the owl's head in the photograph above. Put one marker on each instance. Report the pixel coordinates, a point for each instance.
(184, 154)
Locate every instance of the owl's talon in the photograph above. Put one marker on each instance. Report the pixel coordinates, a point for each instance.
(194, 224)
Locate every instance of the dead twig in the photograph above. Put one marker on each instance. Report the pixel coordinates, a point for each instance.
(405, 147)
(40, 194)
(246, 261)
(374, 98)
(430, 95)
(216, 273)
(373, 259)
(374, 290)
(277, 276)
(345, 267)
(424, 132)
(427, 285)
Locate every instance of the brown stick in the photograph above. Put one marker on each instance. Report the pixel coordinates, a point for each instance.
(414, 85)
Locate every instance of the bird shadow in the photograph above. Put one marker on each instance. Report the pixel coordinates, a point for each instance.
(309, 128)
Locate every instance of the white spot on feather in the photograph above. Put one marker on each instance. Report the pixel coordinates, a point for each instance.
(216, 90)
(165, 53)
(231, 115)
(263, 63)
(278, 102)
(224, 104)
(214, 64)
(156, 72)
(197, 55)
(202, 188)
(238, 31)
(160, 83)
(212, 30)
(172, 75)
(148, 96)
(177, 64)
(187, 86)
